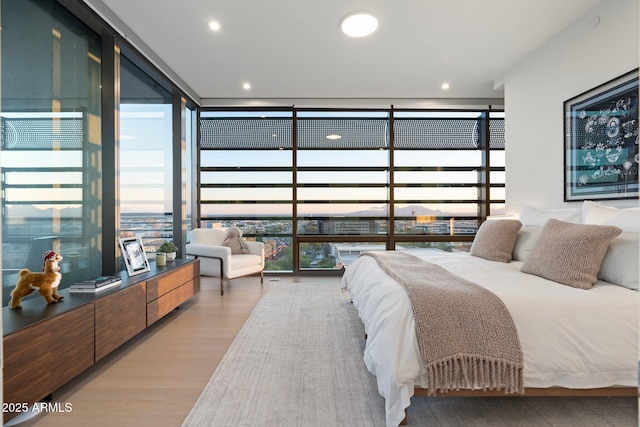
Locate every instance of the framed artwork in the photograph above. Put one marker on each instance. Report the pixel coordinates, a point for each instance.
(134, 255)
(601, 141)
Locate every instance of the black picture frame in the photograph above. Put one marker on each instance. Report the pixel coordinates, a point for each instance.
(601, 141)
(134, 255)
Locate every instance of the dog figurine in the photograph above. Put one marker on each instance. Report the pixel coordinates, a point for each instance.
(46, 282)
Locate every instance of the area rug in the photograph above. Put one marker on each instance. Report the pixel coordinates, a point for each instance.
(298, 362)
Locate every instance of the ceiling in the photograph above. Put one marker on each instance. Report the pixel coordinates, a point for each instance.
(293, 49)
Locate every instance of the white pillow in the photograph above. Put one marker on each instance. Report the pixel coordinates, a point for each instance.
(620, 264)
(626, 219)
(526, 240)
(538, 217)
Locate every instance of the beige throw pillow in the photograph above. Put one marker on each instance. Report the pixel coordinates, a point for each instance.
(569, 253)
(495, 239)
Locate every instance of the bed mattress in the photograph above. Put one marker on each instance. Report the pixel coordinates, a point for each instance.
(570, 337)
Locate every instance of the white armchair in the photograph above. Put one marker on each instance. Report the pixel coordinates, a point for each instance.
(216, 260)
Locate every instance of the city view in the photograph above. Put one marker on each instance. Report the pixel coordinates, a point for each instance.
(154, 229)
(30, 231)
(276, 234)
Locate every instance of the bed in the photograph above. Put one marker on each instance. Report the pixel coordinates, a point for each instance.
(573, 340)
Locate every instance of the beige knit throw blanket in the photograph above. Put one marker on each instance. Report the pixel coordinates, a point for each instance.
(466, 335)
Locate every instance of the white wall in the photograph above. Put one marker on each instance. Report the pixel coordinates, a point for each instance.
(578, 59)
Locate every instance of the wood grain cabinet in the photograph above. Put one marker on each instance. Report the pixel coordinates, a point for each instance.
(119, 317)
(42, 357)
(45, 346)
(166, 292)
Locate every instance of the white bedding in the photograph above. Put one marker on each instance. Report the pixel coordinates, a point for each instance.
(570, 337)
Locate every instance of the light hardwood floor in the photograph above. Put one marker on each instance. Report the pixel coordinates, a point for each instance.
(155, 379)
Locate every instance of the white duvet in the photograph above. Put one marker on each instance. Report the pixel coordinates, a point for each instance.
(570, 337)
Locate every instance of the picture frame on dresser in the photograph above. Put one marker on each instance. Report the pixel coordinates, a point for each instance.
(134, 255)
(601, 141)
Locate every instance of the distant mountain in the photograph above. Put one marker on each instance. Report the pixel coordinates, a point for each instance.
(28, 211)
(413, 211)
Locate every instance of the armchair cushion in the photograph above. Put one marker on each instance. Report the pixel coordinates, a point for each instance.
(199, 249)
(243, 261)
(207, 236)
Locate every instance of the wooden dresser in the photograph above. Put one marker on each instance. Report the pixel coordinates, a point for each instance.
(45, 346)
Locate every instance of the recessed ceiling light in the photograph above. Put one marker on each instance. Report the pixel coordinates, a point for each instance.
(333, 137)
(359, 24)
(214, 25)
(246, 86)
(445, 86)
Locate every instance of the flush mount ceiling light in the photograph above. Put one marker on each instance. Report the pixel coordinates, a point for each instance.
(214, 25)
(359, 24)
(445, 86)
(333, 137)
(246, 86)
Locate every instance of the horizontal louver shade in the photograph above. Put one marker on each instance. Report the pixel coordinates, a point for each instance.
(496, 132)
(433, 134)
(444, 134)
(41, 133)
(317, 134)
(245, 134)
(409, 134)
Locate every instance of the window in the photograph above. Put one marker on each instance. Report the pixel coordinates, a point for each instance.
(189, 163)
(342, 172)
(440, 176)
(497, 169)
(320, 186)
(51, 142)
(342, 178)
(437, 161)
(68, 116)
(246, 178)
(146, 171)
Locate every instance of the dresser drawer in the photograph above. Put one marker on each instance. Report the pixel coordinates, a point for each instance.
(167, 282)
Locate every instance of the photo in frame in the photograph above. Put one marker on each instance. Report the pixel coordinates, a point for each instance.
(601, 141)
(135, 258)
